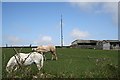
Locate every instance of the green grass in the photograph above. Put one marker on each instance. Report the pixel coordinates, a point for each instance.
(73, 63)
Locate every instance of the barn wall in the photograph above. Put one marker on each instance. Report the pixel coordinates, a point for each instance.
(106, 46)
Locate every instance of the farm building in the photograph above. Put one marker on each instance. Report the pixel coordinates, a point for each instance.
(96, 44)
(111, 44)
(84, 43)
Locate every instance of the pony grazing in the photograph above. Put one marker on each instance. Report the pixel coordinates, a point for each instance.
(22, 59)
(44, 49)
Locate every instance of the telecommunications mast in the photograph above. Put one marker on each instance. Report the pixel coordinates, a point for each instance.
(61, 32)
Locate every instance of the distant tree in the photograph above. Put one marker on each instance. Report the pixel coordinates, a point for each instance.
(6, 45)
(30, 45)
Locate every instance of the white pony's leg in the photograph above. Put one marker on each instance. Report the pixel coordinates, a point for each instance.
(40, 64)
(10, 66)
(15, 68)
(9, 69)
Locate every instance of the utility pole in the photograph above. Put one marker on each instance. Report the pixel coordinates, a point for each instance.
(61, 33)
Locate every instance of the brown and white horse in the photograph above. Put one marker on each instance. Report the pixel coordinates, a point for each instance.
(43, 49)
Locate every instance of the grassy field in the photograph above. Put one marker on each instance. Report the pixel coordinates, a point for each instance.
(71, 63)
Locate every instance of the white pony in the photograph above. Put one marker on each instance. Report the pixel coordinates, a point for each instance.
(43, 49)
(22, 59)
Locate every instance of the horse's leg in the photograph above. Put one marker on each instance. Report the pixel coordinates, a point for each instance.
(15, 68)
(10, 68)
(43, 55)
(40, 65)
(54, 55)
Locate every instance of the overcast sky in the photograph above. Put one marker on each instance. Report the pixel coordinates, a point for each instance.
(38, 23)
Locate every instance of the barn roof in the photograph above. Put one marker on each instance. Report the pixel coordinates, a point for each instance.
(112, 40)
(94, 41)
(84, 41)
